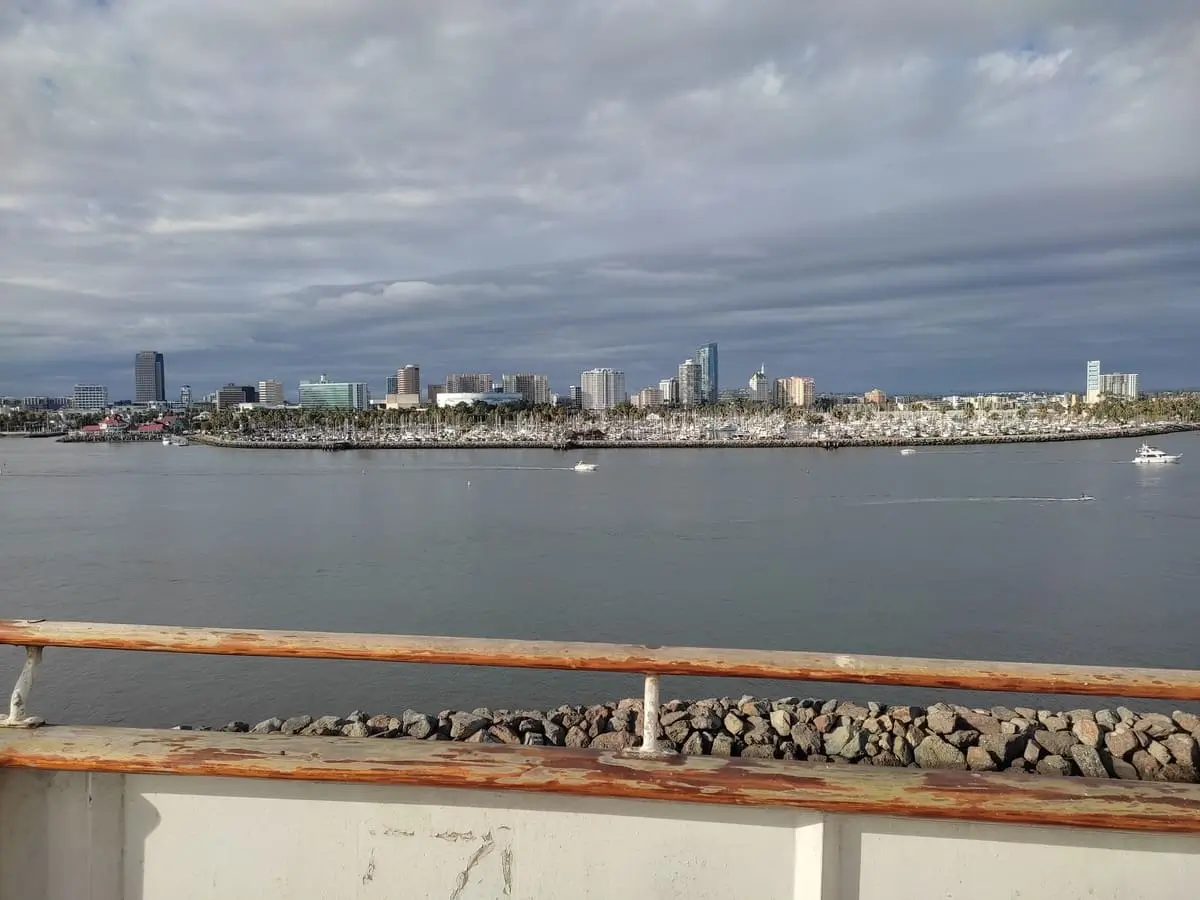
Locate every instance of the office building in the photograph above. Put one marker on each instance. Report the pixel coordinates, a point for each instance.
(706, 358)
(760, 386)
(1119, 386)
(45, 403)
(469, 383)
(270, 393)
(601, 388)
(408, 380)
(392, 384)
(90, 396)
(326, 394)
(575, 396)
(691, 383)
(432, 391)
(1092, 392)
(232, 395)
(534, 388)
(185, 395)
(795, 391)
(149, 378)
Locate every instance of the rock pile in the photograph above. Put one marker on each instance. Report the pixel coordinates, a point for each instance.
(1104, 743)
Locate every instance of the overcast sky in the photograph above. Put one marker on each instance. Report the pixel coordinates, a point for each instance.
(919, 195)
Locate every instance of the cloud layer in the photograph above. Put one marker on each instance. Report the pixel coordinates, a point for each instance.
(919, 195)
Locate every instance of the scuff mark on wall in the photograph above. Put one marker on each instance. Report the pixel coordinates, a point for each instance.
(478, 856)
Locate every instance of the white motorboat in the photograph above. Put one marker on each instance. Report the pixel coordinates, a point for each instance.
(582, 466)
(908, 451)
(166, 442)
(1148, 455)
(175, 441)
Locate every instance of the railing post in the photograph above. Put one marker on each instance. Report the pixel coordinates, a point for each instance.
(16, 717)
(651, 745)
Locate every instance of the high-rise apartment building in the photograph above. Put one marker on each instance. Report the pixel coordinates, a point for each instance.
(185, 395)
(1121, 386)
(149, 378)
(691, 383)
(469, 383)
(532, 388)
(270, 393)
(601, 388)
(706, 358)
(646, 397)
(90, 396)
(760, 386)
(1092, 393)
(795, 391)
(326, 394)
(669, 388)
(392, 385)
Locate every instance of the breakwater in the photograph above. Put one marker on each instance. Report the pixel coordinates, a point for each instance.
(724, 444)
(1102, 743)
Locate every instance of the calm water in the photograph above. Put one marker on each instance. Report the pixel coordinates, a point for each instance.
(946, 553)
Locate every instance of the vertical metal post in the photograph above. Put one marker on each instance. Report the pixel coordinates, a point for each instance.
(16, 717)
(650, 717)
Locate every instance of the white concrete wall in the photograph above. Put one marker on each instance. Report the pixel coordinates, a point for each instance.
(102, 837)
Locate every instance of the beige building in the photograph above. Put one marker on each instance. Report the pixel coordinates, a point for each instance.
(402, 401)
(650, 396)
(797, 390)
(875, 396)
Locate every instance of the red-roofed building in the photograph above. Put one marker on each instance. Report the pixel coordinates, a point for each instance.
(150, 428)
(113, 423)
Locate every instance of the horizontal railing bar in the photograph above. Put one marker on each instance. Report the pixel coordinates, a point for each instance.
(934, 794)
(1010, 677)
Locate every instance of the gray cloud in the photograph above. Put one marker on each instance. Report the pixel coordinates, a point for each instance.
(917, 195)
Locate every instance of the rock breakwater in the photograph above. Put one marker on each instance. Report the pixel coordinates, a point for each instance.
(1102, 743)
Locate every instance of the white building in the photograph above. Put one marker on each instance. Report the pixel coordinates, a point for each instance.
(691, 384)
(669, 388)
(1092, 393)
(495, 398)
(760, 386)
(90, 396)
(270, 393)
(647, 397)
(602, 388)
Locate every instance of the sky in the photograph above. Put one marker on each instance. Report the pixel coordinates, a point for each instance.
(917, 195)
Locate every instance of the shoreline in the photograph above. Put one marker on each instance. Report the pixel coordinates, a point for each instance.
(842, 443)
(1103, 743)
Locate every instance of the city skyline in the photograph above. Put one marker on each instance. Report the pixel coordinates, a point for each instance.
(847, 192)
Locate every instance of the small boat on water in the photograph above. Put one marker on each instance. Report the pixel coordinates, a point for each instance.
(582, 466)
(175, 441)
(908, 451)
(1148, 455)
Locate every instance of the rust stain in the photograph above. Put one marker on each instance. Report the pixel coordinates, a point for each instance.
(1139, 806)
(649, 659)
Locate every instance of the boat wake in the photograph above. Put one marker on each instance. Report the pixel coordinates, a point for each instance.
(896, 501)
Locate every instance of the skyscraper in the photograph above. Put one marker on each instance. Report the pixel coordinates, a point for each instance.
(408, 380)
(760, 386)
(1093, 381)
(691, 383)
(706, 356)
(149, 379)
(601, 388)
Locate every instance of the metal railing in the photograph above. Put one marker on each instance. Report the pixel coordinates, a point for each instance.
(650, 662)
(649, 771)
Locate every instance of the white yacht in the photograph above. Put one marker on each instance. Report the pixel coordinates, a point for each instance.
(582, 466)
(175, 441)
(1148, 455)
(907, 451)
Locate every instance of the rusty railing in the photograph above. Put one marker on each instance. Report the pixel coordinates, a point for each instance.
(647, 771)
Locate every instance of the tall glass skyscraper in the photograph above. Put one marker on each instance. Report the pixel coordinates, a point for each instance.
(706, 356)
(149, 379)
